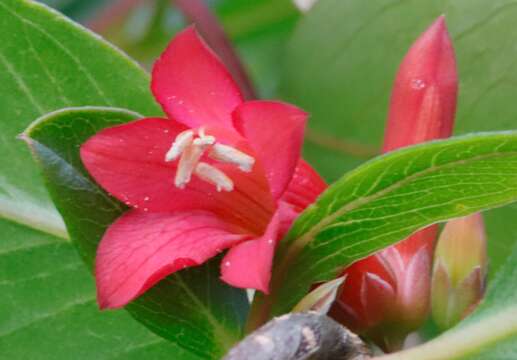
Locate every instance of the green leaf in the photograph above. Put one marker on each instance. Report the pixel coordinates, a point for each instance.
(48, 62)
(387, 199)
(341, 63)
(490, 333)
(48, 309)
(191, 308)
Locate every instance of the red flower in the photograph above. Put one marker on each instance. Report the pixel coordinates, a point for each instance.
(219, 174)
(386, 296)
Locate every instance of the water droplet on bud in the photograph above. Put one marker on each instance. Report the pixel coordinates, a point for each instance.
(418, 84)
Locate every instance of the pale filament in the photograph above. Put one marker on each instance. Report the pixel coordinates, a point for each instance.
(189, 149)
(183, 140)
(214, 176)
(187, 164)
(228, 154)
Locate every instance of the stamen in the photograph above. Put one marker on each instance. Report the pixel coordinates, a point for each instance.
(187, 164)
(214, 176)
(190, 147)
(231, 155)
(182, 141)
(205, 140)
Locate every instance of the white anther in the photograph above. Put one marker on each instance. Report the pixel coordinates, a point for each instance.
(214, 176)
(187, 164)
(231, 155)
(182, 141)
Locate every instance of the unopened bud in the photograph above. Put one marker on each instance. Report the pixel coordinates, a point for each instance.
(386, 296)
(423, 100)
(459, 271)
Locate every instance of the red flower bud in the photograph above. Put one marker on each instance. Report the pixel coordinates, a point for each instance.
(423, 100)
(386, 296)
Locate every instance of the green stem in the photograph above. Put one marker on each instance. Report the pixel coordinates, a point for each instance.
(339, 144)
(259, 313)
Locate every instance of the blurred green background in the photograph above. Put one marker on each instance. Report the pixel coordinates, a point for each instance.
(336, 61)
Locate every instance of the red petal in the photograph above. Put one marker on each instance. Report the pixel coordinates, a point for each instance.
(192, 84)
(275, 131)
(414, 287)
(248, 265)
(305, 186)
(129, 162)
(423, 101)
(351, 307)
(289, 215)
(422, 238)
(140, 249)
(378, 298)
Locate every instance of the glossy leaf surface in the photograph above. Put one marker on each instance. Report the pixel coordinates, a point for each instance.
(387, 199)
(48, 309)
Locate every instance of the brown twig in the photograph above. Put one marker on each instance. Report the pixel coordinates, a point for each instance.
(207, 24)
(300, 336)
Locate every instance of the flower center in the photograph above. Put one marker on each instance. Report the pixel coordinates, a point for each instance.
(189, 147)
